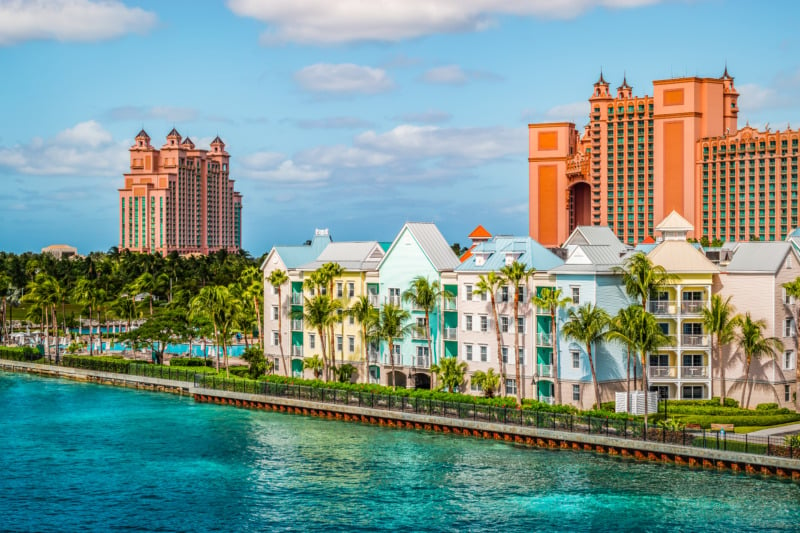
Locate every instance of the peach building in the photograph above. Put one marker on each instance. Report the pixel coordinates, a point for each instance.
(179, 198)
(641, 157)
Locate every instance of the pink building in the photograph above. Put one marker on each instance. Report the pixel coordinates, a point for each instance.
(179, 198)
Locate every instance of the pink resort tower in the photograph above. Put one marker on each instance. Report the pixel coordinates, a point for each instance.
(179, 199)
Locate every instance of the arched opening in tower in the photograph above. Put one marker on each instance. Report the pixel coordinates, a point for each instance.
(580, 205)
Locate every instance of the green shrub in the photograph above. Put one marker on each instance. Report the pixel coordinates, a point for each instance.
(190, 361)
(766, 406)
(792, 440)
(730, 445)
(25, 353)
(739, 420)
(239, 371)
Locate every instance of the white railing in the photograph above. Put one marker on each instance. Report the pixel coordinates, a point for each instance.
(662, 371)
(450, 334)
(297, 298)
(694, 372)
(450, 305)
(393, 300)
(692, 307)
(373, 300)
(373, 356)
(420, 334)
(661, 307)
(694, 340)
(544, 339)
(297, 325)
(422, 361)
(297, 351)
(546, 371)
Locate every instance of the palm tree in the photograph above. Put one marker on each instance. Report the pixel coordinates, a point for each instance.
(642, 278)
(490, 284)
(5, 286)
(87, 294)
(425, 295)
(754, 345)
(552, 300)
(720, 322)
(366, 315)
(146, 283)
(215, 303)
(277, 278)
(450, 372)
(516, 273)
(390, 326)
(319, 313)
(587, 325)
(488, 381)
(624, 328)
(329, 272)
(649, 338)
(793, 290)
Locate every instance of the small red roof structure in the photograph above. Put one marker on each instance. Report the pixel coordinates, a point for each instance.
(479, 234)
(649, 240)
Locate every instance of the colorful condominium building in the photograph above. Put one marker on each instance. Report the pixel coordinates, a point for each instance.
(179, 199)
(641, 157)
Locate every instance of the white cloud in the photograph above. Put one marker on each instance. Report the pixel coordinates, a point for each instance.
(287, 172)
(333, 123)
(70, 20)
(345, 78)
(455, 75)
(326, 22)
(431, 116)
(344, 157)
(166, 113)
(85, 149)
(259, 160)
(754, 97)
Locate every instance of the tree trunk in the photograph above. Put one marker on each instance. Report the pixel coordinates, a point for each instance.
(554, 359)
(391, 359)
(258, 323)
(91, 334)
(713, 351)
(628, 379)
(644, 388)
(722, 391)
(746, 379)
(516, 348)
(430, 350)
(500, 366)
(594, 376)
(216, 339)
(280, 332)
(364, 348)
(324, 355)
(99, 333)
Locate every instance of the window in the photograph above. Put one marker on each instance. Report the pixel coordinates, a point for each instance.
(511, 386)
(339, 341)
(504, 352)
(351, 320)
(312, 340)
(468, 322)
(274, 289)
(787, 299)
(786, 393)
(339, 289)
(484, 323)
(484, 353)
(504, 293)
(394, 295)
(521, 293)
(351, 289)
(468, 292)
(274, 312)
(276, 338)
(484, 296)
(788, 360)
(693, 393)
(788, 327)
(504, 322)
(521, 356)
(276, 362)
(474, 387)
(521, 324)
(351, 343)
(576, 393)
(468, 352)
(576, 358)
(576, 295)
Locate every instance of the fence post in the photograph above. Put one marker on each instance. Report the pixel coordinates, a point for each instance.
(768, 445)
(745, 443)
(589, 423)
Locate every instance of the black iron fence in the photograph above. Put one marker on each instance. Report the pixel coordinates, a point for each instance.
(573, 423)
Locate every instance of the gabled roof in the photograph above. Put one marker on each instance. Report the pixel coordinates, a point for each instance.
(432, 243)
(493, 253)
(681, 257)
(595, 235)
(173, 133)
(674, 222)
(480, 233)
(590, 258)
(295, 256)
(352, 256)
(217, 140)
(759, 257)
(142, 134)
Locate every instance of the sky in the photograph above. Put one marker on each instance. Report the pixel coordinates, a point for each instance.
(352, 115)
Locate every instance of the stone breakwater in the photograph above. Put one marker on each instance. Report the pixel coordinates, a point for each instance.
(688, 456)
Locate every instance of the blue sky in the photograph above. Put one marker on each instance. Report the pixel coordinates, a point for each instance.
(353, 115)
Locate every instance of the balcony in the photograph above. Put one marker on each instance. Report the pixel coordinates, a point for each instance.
(373, 300)
(297, 351)
(393, 300)
(373, 356)
(450, 334)
(694, 340)
(692, 307)
(694, 372)
(450, 305)
(297, 298)
(544, 339)
(297, 325)
(422, 361)
(661, 307)
(420, 334)
(656, 372)
(546, 371)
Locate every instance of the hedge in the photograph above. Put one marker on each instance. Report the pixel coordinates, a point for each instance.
(755, 419)
(25, 353)
(190, 361)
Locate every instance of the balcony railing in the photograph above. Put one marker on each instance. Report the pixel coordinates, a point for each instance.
(663, 372)
(692, 307)
(297, 351)
(393, 300)
(297, 298)
(297, 325)
(544, 339)
(694, 340)
(694, 372)
(373, 356)
(450, 305)
(450, 334)
(373, 300)
(422, 361)
(420, 334)
(546, 371)
(661, 307)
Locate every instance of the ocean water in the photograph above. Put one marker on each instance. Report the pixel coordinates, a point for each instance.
(94, 458)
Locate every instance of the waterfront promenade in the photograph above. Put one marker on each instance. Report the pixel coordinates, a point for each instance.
(454, 418)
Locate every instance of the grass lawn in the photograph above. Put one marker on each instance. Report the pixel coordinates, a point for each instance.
(750, 429)
(18, 313)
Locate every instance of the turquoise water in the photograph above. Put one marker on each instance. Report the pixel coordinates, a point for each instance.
(88, 457)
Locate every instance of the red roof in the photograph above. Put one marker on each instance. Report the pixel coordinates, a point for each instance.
(480, 233)
(649, 240)
(467, 254)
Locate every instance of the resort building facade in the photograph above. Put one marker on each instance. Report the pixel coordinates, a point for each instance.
(641, 157)
(179, 199)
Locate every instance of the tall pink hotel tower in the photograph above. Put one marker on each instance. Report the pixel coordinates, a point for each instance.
(179, 199)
